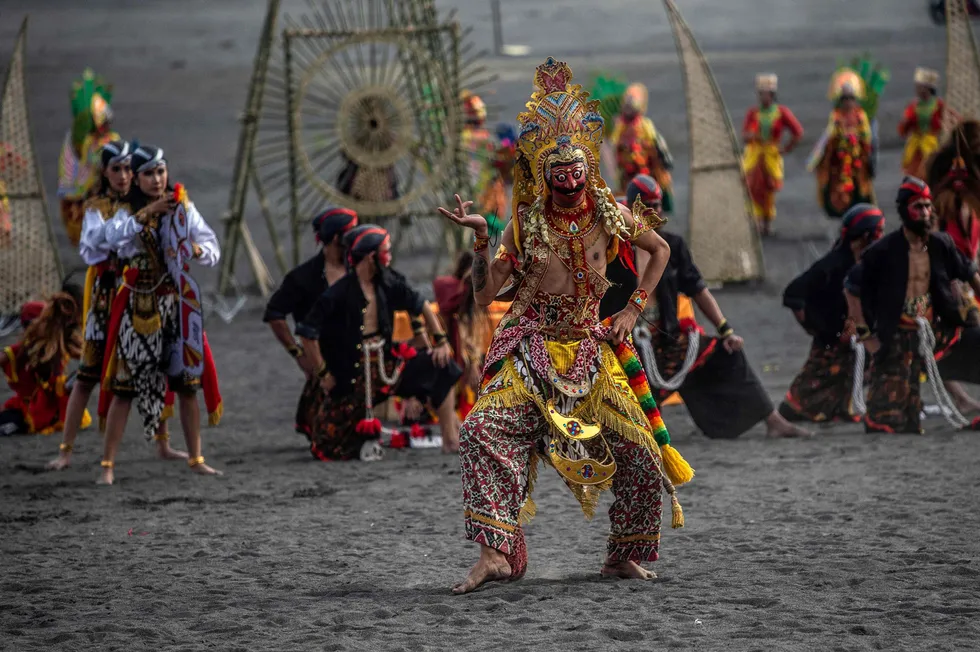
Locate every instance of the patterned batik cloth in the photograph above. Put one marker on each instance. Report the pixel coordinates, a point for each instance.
(507, 432)
(103, 291)
(894, 397)
(334, 435)
(310, 400)
(148, 328)
(822, 390)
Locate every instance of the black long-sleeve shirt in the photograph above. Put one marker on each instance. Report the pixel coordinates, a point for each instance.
(881, 280)
(680, 276)
(297, 293)
(337, 320)
(819, 293)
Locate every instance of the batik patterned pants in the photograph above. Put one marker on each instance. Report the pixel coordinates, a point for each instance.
(498, 450)
(822, 390)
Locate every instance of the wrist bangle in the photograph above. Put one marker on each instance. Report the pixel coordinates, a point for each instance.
(639, 299)
(322, 371)
(417, 326)
(439, 339)
(480, 243)
(725, 329)
(295, 350)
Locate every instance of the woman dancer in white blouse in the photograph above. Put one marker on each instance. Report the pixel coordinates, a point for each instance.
(148, 325)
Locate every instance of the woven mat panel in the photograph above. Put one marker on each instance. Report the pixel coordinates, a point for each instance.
(29, 266)
(962, 64)
(723, 237)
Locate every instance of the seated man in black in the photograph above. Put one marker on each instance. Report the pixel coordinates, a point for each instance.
(824, 388)
(720, 390)
(299, 291)
(901, 297)
(361, 367)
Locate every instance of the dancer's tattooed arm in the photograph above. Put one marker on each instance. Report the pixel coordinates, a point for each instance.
(481, 269)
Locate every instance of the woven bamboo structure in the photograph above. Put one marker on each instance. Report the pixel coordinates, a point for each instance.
(962, 65)
(375, 82)
(723, 236)
(29, 265)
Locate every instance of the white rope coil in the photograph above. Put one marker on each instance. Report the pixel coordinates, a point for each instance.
(857, 389)
(927, 347)
(644, 346)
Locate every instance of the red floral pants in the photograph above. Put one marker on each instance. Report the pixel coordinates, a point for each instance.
(495, 449)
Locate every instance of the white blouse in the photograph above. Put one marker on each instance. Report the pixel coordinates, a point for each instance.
(92, 244)
(122, 236)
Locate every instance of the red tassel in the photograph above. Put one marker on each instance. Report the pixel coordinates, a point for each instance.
(416, 431)
(404, 351)
(386, 390)
(628, 257)
(369, 427)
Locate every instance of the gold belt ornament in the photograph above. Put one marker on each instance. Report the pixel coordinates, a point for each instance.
(586, 471)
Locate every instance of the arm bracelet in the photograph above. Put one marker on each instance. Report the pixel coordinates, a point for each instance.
(322, 371)
(438, 339)
(295, 350)
(725, 329)
(639, 299)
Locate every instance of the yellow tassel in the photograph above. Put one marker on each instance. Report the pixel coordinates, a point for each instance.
(214, 418)
(87, 297)
(676, 513)
(168, 411)
(676, 467)
(86, 420)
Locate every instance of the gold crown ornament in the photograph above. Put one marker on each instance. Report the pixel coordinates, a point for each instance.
(845, 82)
(562, 125)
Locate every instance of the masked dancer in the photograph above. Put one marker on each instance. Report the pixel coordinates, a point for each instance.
(559, 385)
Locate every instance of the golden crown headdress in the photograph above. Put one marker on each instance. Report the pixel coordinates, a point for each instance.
(560, 120)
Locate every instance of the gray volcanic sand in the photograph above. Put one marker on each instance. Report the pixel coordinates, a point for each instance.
(845, 542)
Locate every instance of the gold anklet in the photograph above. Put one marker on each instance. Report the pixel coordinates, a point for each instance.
(65, 448)
(107, 464)
(195, 461)
(161, 437)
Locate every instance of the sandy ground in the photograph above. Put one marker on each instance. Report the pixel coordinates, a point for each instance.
(846, 542)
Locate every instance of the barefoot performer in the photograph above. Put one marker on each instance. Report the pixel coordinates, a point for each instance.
(151, 343)
(35, 368)
(299, 291)
(360, 366)
(762, 132)
(901, 297)
(720, 389)
(559, 385)
(824, 388)
(922, 123)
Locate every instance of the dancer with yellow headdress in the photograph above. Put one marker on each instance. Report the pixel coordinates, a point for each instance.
(922, 123)
(80, 165)
(560, 386)
(762, 132)
(640, 148)
(843, 160)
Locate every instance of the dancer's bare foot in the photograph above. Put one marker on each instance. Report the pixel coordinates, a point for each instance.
(778, 426)
(450, 448)
(63, 461)
(626, 570)
(967, 405)
(491, 567)
(107, 476)
(204, 469)
(165, 452)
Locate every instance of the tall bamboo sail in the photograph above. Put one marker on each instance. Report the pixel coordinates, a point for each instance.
(236, 229)
(723, 236)
(29, 264)
(962, 65)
